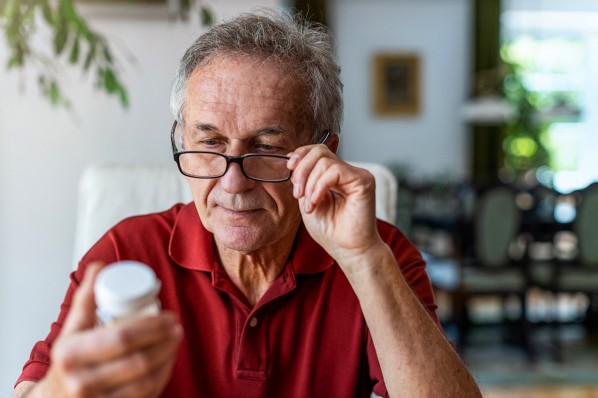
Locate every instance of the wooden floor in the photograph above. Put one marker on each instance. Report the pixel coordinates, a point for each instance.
(543, 392)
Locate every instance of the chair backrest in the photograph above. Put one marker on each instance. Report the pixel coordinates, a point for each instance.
(109, 193)
(497, 220)
(585, 226)
(387, 190)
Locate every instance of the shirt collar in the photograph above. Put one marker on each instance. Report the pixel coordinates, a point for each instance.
(192, 246)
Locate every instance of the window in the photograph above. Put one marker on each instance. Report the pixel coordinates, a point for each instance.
(556, 52)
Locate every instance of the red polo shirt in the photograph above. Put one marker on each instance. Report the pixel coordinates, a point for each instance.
(306, 337)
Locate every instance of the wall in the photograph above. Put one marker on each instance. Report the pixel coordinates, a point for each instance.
(435, 141)
(43, 150)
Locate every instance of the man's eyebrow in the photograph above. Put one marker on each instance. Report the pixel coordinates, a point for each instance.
(271, 131)
(205, 127)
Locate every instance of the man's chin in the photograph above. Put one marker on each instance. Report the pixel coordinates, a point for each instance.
(241, 239)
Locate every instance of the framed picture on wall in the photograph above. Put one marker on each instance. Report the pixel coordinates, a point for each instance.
(396, 84)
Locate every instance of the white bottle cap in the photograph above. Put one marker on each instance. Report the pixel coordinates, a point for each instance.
(124, 287)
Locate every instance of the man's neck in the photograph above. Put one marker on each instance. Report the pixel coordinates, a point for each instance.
(253, 273)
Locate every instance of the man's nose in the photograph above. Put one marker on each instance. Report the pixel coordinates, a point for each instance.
(234, 181)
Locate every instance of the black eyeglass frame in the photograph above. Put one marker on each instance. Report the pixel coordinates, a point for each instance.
(232, 159)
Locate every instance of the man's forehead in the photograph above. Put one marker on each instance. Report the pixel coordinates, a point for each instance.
(229, 83)
(252, 70)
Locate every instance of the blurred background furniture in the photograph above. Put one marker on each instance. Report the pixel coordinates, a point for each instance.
(489, 266)
(110, 192)
(494, 269)
(573, 269)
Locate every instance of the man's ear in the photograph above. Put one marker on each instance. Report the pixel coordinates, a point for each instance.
(333, 142)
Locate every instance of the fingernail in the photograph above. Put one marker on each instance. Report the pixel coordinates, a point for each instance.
(297, 190)
(307, 206)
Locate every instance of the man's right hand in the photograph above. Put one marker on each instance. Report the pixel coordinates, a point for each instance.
(133, 358)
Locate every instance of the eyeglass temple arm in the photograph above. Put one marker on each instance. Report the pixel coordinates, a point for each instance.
(325, 137)
(172, 143)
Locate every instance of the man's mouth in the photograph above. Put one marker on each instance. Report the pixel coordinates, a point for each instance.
(236, 211)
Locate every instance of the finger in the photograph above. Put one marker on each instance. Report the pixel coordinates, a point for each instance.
(152, 385)
(302, 162)
(344, 179)
(99, 345)
(320, 169)
(82, 312)
(124, 370)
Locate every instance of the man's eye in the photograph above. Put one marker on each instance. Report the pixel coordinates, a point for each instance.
(208, 145)
(265, 147)
(262, 147)
(211, 145)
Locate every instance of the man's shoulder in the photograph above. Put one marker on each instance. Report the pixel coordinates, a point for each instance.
(165, 219)
(405, 251)
(149, 227)
(142, 237)
(389, 232)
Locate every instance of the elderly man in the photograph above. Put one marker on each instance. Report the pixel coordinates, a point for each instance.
(277, 280)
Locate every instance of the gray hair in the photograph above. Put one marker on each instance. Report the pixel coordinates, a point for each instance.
(306, 47)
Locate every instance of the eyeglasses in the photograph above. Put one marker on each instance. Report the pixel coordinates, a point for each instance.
(255, 166)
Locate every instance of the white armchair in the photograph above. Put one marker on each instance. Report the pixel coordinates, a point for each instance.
(110, 192)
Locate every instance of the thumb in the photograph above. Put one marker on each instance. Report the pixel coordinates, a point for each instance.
(82, 312)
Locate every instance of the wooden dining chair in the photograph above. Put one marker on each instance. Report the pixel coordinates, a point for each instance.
(578, 274)
(491, 270)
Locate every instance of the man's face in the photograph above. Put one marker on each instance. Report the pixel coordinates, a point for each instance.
(237, 105)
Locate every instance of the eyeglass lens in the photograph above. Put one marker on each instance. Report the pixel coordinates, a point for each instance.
(212, 165)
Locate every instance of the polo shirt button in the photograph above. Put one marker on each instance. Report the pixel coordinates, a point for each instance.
(253, 322)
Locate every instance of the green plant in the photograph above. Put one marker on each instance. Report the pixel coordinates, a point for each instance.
(523, 145)
(73, 42)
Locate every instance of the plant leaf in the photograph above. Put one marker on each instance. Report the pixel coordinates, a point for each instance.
(47, 12)
(124, 98)
(10, 8)
(207, 17)
(90, 56)
(107, 54)
(60, 38)
(74, 55)
(110, 83)
(69, 33)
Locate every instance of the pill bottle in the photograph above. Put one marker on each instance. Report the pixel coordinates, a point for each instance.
(126, 289)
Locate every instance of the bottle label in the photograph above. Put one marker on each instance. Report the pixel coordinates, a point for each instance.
(104, 318)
